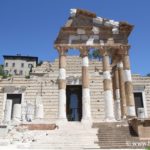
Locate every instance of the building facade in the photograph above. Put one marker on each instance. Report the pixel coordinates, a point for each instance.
(19, 65)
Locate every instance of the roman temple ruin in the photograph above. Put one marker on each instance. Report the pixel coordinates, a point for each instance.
(97, 101)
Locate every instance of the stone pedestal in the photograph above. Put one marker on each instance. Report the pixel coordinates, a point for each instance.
(39, 111)
(17, 112)
(30, 112)
(8, 110)
(23, 112)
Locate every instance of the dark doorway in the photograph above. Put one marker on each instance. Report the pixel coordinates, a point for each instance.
(16, 99)
(74, 102)
(138, 101)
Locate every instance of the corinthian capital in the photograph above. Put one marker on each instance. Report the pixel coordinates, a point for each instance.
(62, 50)
(125, 49)
(84, 51)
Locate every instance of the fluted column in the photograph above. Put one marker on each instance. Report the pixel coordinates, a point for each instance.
(116, 94)
(122, 89)
(107, 82)
(86, 106)
(128, 87)
(62, 84)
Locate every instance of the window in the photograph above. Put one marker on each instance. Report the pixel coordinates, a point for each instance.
(30, 66)
(13, 64)
(15, 72)
(21, 72)
(6, 72)
(22, 65)
(6, 64)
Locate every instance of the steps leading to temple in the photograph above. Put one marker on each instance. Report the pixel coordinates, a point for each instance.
(117, 136)
(75, 136)
(72, 135)
(68, 136)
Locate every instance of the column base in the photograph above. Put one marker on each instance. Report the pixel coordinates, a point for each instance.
(110, 120)
(117, 112)
(131, 111)
(124, 117)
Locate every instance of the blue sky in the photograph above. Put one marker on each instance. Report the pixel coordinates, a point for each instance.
(29, 27)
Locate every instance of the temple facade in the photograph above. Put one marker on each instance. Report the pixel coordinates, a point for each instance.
(76, 88)
(40, 93)
(89, 103)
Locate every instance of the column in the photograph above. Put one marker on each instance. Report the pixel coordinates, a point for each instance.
(86, 106)
(107, 82)
(8, 109)
(128, 87)
(113, 83)
(62, 84)
(117, 94)
(122, 89)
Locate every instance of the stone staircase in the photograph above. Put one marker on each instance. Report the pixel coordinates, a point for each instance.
(74, 136)
(118, 136)
(70, 135)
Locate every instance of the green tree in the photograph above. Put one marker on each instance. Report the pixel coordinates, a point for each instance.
(148, 148)
(96, 54)
(90, 56)
(2, 73)
(31, 68)
(1, 70)
(148, 75)
(40, 63)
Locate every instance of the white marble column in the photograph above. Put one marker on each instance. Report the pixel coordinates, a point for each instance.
(86, 106)
(8, 111)
(108, 96)
(128, 87)
(62, 84)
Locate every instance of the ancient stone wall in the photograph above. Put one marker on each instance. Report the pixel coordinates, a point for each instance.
(44, 82)
(142, 84)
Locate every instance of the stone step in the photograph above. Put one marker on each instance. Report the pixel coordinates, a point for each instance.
(114, 135)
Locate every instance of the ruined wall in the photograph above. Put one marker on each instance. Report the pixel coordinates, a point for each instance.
(46, 76)
(32, 89)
